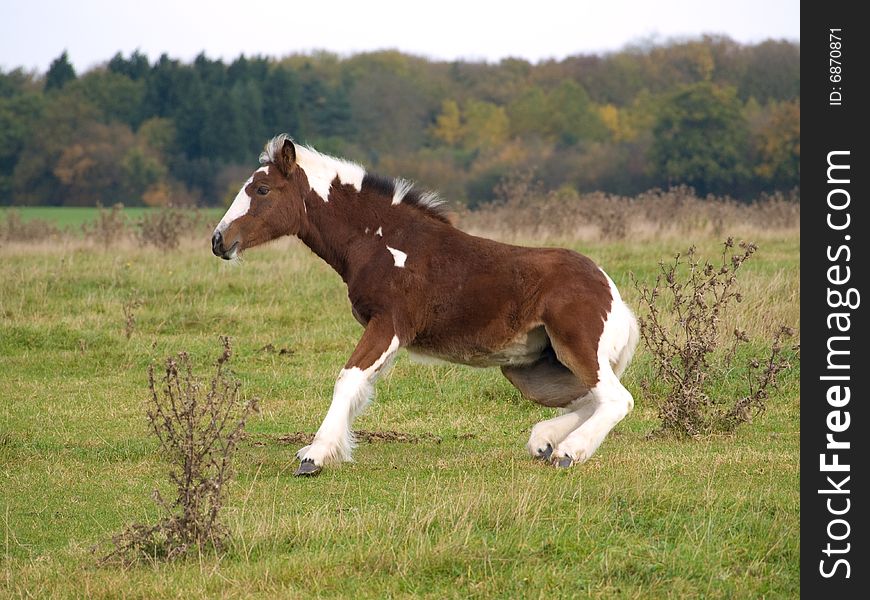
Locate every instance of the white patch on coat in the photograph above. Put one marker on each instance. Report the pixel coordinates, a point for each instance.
(379, 232)
(354, 388)
(401, 189)
(321, 170)
(399, 257)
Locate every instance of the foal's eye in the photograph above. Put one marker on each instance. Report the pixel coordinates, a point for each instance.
(262, 190)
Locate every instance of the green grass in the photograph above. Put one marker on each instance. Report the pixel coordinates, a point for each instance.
(467, 517)
(66, 217)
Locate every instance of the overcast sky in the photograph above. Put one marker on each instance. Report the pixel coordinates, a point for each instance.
(33, 33)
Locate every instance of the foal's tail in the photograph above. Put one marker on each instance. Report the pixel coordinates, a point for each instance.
(624, 334)
(627, 351)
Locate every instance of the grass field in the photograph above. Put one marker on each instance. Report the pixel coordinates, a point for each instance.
(471, 516)
(73, 218)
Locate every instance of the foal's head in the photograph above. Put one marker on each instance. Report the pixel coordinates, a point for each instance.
(269, 205)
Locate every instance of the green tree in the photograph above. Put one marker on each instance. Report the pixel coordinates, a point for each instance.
(281, 102)
(118, 97)
(572, 116)
(19, 117)
(701, 139)
(527, 112)
(60, 72)
(136, 67)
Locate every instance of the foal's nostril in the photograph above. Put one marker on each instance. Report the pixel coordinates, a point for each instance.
(217, 244)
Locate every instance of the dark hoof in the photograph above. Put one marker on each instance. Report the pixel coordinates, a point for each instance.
(307, 469)
(564, 462)
(546, 452)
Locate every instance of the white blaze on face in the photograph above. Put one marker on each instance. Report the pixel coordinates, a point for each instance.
(241, 204)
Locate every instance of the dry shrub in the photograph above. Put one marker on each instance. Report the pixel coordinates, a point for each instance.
(523, 209)
(15, 229)
(110, 226)
(680, 324)
(198, 429)
(165, 227)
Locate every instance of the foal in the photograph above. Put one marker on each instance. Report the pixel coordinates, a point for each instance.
(549, 318)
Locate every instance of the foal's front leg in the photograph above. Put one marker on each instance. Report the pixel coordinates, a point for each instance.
(334, 441)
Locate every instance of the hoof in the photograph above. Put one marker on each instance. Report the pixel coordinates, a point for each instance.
(545, 453)
(564, 462)
(307, 469)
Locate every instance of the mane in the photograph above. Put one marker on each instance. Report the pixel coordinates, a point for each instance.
(403, 191)
(321, 169)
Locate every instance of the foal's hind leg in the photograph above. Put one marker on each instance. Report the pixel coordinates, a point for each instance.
(612, 403)
(548, 434)
(592, 358)
(550, 383)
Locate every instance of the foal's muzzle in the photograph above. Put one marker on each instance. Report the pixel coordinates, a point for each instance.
(217, 246)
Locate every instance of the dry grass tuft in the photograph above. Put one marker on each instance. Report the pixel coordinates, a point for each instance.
(133, 303)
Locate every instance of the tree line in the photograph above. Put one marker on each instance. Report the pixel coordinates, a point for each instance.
(711, 113)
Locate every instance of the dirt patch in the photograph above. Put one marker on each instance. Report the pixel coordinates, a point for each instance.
(371, 437)
(270, 348)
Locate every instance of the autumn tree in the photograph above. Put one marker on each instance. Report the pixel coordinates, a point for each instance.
(779, 145)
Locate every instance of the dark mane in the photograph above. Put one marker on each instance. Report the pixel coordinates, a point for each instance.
(429, 202)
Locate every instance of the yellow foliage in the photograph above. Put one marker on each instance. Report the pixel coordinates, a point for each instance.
(610, 117)
(486, 125)
(448, 124)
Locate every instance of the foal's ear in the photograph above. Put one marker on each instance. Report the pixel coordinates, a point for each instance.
(286, 159)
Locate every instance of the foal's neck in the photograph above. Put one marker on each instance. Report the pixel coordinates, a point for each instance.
(339, 231)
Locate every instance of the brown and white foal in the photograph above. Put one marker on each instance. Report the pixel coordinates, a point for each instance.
(549, 318)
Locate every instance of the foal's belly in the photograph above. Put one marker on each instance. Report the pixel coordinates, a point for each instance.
(523, 349)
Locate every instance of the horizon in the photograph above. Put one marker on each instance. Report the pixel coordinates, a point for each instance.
(92, 32)
(641, 45)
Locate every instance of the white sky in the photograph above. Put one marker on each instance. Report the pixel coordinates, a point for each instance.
(33, 33)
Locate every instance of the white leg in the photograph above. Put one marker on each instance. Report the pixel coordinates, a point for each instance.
(334, 440)
(354, 388)
(547, 434)
(613, 402)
